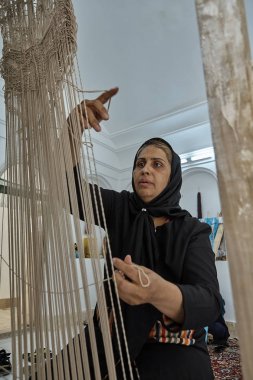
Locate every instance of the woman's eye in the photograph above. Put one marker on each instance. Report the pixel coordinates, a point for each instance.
(157, 164)
(140, 164)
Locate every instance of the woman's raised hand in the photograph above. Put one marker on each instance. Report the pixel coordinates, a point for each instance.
(91, 112)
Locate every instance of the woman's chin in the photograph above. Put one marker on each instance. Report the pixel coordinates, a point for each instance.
(146, 198)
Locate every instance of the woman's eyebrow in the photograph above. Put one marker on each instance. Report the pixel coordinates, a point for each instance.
(140, 158)
(157, 158)
(152, 158)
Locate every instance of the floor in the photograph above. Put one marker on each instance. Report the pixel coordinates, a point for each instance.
(5, 339)
(5, 343)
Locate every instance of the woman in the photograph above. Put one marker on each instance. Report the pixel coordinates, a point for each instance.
(165, 270)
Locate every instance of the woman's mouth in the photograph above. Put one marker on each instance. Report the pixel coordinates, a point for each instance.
(145, 183)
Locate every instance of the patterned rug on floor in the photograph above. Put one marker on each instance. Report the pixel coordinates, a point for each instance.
(226, 361)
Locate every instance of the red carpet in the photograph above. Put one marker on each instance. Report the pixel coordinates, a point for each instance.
(226, 362)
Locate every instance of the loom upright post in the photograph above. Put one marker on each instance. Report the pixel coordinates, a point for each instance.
(228, 75)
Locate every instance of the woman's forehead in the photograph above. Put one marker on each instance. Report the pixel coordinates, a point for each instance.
(152, 151)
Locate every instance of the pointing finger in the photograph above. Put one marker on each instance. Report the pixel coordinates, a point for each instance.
(108, 95)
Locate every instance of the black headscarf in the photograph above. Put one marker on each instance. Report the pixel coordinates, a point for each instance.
(168, 200)
(142, 245)
(142, 236)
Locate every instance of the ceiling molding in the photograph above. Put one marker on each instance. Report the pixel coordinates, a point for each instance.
(177, 113)
(104, 144)
(100, 180)
(185, 118)
(108, 166)
(195, 165)
(193, 170)
(171, 137)
(179, 121)
(159, 132)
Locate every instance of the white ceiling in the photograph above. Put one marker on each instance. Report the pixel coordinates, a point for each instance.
(150, 49)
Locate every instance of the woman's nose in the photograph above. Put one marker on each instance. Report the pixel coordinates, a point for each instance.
(145, 169)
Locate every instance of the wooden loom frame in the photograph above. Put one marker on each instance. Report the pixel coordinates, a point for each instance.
(228, 75)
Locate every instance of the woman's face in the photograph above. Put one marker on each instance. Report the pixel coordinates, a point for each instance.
(151, 173)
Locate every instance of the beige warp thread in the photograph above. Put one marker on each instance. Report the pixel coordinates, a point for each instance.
(142, 273)
(40, 70)
(51, 26)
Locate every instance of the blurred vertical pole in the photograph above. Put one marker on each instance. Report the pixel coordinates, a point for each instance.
(228, 75)
(199, 205)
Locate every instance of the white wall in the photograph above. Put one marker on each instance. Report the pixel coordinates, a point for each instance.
(106, 171)
(200, 179)
(226, 290)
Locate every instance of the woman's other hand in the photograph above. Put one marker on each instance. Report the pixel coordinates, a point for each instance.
(138, 285)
